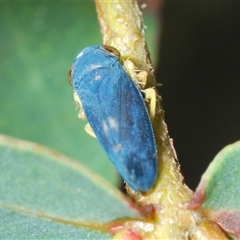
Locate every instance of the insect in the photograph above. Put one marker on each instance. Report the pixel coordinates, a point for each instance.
(115, 109)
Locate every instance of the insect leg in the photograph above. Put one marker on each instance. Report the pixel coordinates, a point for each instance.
(89, 130)
(137, 75)
(140, 78)
(82, 115)
(151, 97)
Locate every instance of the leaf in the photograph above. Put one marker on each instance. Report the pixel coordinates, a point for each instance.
(219, 189)
(44, 194)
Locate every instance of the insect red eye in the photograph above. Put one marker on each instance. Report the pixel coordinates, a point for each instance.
(111, 50)
(70, 76)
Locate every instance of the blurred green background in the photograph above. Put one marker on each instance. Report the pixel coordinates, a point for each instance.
(38, 43)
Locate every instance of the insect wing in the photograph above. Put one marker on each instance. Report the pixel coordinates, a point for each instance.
(136, 137)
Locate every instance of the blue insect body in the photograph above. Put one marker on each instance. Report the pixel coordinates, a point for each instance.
(115, 109)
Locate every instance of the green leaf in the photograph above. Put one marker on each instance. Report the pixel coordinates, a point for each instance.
(222, 179)
(219, 189)
(46, 195)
